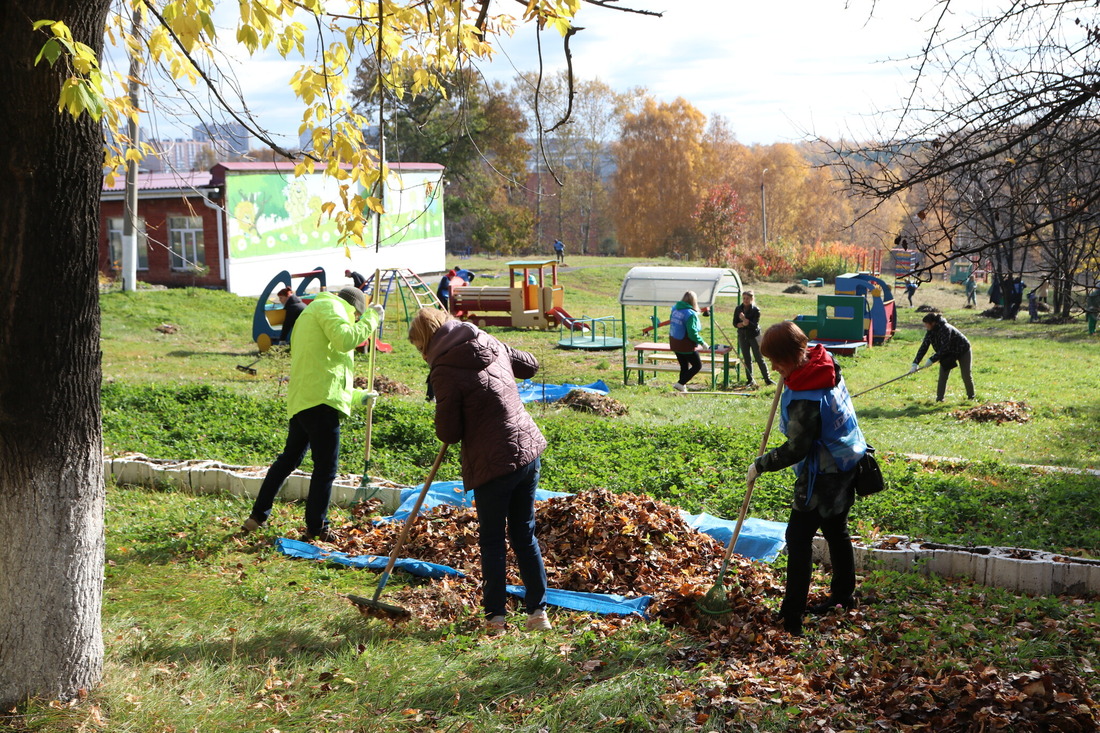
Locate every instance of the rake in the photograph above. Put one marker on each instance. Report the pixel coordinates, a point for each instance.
(715, 602)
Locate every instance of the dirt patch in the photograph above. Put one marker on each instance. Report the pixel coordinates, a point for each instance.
(998, 412)
(578, 399)
(796, 290)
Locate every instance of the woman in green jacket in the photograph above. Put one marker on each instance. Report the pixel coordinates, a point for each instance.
(319, 397)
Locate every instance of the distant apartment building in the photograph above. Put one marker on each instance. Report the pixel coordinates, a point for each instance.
(229, 141)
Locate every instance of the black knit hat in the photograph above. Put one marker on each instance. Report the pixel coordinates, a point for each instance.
(355, 297)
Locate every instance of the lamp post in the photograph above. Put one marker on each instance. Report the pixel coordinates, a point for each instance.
(763, 209)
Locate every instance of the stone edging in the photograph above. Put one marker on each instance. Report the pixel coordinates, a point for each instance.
(1016, 569)
(209, 477)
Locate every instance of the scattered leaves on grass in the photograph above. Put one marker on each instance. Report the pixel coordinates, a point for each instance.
(167, 328)
(998, 412)
(602, 405)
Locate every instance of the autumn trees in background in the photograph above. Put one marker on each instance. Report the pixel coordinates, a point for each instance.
(621, 172)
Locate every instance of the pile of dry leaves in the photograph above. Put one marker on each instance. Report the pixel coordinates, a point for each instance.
(594, 541)
(602, 405)
(999, 412)
(634, 545)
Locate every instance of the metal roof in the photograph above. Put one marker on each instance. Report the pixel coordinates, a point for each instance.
(665, 286)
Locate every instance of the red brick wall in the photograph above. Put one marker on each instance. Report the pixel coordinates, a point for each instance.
(156, 213)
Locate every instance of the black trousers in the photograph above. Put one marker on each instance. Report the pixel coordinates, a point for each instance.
(801, 528)
(690, 364)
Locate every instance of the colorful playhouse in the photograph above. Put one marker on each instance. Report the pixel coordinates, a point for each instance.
(860, 313)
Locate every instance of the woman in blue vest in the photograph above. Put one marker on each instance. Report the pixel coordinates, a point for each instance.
(824, 444)
(684, 336)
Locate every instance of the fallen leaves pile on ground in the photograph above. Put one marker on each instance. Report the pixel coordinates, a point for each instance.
(633, 545)
(600, 404)
(594, 541)
(999, 412)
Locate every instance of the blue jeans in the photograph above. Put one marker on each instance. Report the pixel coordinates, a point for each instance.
(509, 501)
(318, 430)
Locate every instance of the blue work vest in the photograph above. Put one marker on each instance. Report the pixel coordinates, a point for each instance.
(677, 327)
(840, 433)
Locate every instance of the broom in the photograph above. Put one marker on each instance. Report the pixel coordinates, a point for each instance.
(714, 602)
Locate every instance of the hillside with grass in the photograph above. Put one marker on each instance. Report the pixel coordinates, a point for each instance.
(206, 631)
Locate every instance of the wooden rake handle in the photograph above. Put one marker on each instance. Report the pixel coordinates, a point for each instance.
(749, 486)
(409, 521)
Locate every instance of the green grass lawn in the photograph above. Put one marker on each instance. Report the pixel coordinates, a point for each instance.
(207, 633)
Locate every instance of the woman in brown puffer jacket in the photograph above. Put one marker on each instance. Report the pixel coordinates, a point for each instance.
(477, 404)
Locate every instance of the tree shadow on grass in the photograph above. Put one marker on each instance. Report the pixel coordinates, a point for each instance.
(344, 631)
(915, 409)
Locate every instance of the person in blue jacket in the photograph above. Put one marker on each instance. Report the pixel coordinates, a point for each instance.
(824, 446)
(684, 337)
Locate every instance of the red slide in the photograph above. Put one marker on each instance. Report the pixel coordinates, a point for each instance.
(567, 320)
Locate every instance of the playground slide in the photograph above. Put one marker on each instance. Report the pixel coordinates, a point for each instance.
(566, 320)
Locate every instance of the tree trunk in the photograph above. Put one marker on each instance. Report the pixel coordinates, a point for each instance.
(51, 474)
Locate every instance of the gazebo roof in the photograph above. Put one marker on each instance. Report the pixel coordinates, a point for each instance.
(664, 286)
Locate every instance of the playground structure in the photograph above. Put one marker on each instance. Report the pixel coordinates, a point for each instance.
(414, 293)
(591, 334)
(533, 298)
(905, 262)
(861, 312)
(663, 287)
(267, 319)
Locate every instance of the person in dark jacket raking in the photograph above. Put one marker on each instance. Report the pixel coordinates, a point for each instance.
(949, 347)
(746, 319)
(477, 404)
(824, 445)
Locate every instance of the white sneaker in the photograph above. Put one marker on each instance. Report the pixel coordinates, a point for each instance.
(680, 387)
(496, 624)
(537, 621)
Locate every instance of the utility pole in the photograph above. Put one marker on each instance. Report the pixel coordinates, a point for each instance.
(763, 209)
(129, 225)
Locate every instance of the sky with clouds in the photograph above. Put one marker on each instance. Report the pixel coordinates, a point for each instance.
(778, 70)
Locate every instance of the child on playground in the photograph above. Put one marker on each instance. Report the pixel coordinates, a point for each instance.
(684, 337)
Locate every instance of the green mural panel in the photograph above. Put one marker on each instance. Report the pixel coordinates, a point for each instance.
(272, 214)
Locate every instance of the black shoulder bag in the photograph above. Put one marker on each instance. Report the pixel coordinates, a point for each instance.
(869, 475)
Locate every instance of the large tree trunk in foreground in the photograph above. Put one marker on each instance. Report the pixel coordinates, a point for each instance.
(51, 475)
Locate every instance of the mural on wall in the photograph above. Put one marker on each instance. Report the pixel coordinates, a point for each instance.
(273, 214)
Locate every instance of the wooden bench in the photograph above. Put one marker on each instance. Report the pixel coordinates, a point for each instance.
(659, 357)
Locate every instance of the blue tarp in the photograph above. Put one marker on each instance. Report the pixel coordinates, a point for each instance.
(446, 492)
(535, 392)
(420, 568)
(603, 603)
(759, 540)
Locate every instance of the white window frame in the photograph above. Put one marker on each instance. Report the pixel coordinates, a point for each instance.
(185, 243)
(115, 229)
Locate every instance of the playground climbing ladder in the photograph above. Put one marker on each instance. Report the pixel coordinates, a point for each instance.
(408, 286)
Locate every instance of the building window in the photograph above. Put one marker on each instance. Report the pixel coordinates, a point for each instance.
(185, 242)
(115, 227)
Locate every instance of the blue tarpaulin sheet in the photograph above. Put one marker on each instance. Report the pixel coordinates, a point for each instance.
(602, 603)
(446, 492)
(420, 568)
(760, 539)
(535, 392)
